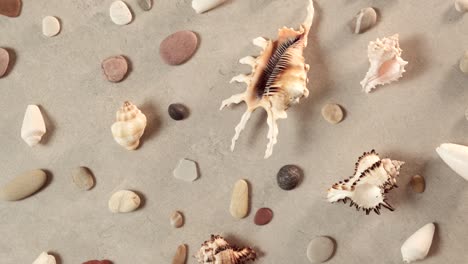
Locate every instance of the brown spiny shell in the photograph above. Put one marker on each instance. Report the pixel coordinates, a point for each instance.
(218, 251)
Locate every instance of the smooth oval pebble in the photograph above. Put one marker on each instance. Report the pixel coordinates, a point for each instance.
(119, 13)
(10, 8)
(320, 249)
(98, 262)
(418, 183)
(50, 26)
(115, 68)
(124, 201)
(289, 176)
(146, 5)
(178, 47)
(364, 20)
(4, 61)
(181, 255)
(45, 258)
(83, 178)
(332, 113)
(263, 216)
(23, 185)
(177, 219)
(201, 6)
(177, 111)
(239, 207)
(186, 170)
(464, 63)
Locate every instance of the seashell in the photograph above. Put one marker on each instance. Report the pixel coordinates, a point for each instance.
(202, 6)
(278, 79)
(386, 64)
(33, 126)
(456, 157)
(373, 177)
(418, 244)
(218, 251)
(364, 20)
(464, 63)
(461, 5)
(129, 126)
(45, 258)
(119, 13)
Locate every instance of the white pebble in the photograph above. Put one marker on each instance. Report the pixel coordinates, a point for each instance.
(124, 201)
(45, 258)
(186, 170)
(119, 13)
(50, 26)
(201, 6)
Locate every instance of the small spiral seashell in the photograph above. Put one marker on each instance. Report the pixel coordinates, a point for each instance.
(129, 126)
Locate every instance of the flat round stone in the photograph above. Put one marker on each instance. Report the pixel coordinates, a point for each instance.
(83, 178)
(10, 8)
(146, 5)
(289, 176)
(178, 47)
(186, 170)
(115, 68)
(178, 111)
(418, 183)
(98, 262)
(320, 249)
(181, 255)
(332, 113)
(23, 185)
(119, 13)
(50, 26)
(177, 219)
(4, 61)
(239, 207)
(263, 216)
(124, 201)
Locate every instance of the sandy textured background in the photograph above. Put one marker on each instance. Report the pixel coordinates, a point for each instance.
(404, 121)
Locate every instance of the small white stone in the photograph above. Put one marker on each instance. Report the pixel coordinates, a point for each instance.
(50, 26)
(124, 201)
(119, 13)
(201, 6)
(461, 5)
(186, 170)
(45, 258)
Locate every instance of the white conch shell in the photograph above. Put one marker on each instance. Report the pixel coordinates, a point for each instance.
(418, 244)
(386, 64)
(373, 177)
(201, 6)
(278, 78)
(45, 258)
(456, 157)
(33, 126)
(129, 126)
(218, 251)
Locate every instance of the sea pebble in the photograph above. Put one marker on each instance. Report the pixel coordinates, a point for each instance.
(320, 249)
(464, 63)
(289, 176)
(4, 61)
(146, 5)
(201, 6)
(461, 5)
(83, 178)
(178, 111)
(45, 258)
(178, 47)
(263, 216)
(23, 185)
(124, 201)
(332, 113)
(115, 68)
(239, 207)
(50, 26)
(177, 219)
(119, 13)
(186, 170)
(10, 8)
(98, 262)
(181, 255)
(418, 184)
(364, 20)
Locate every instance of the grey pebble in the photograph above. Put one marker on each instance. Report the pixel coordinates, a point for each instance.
(320, 249)
(83, 178)
(288, 177)
(23, 185)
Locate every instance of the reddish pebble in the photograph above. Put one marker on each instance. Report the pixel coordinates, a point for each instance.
(178, 47)
(98, 262)
(10, 8)
(263, 216)
(4, 61)
(115, 68)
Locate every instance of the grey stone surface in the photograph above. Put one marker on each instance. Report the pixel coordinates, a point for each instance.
(405, 120)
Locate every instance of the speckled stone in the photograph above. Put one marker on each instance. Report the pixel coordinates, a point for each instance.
(115, 68)
(178, 111)
(332, 113)
(418, 184)
(186, 170)
(10, 8)
(23, 185)
(320, 249)
(178, 47)
(4, 61)
(365, 19)
(124, 201)
(289, 176)
(98, 262)
(146, 5)
(239, 207)
(181, 255)
(83, 178)
(263, 216)
(177, 219)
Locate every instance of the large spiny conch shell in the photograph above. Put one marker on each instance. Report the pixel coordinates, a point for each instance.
(278, 78)
(33, 127)
(456, 157)
(386, 64)
(373, 177)
(129, 126)
(218, 251)
(418, 244)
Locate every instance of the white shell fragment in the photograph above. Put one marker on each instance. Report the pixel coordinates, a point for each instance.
(202, 6)
(417, 245)
(124, 201)
(456, 157)
(386, 64)
(50, 26)
(186, 170)
(33, 126)
(464, 63)
(364, 20)
(129, 126)
(461, 5)
(45, 258)
(119, 13)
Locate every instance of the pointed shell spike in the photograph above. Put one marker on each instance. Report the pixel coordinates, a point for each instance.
(417, 246)
(456, 157)
(33, 127)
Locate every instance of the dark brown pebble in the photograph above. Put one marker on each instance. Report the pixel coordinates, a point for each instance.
(178, 47)
(288, 177)
(115, 68)
(4, 61)
(263, 216)
(178, 111)
(98, 262)
(10, 8)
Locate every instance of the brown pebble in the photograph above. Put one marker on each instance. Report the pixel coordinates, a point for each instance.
(115, 68)
(98, 262)
(4, 60)
(83, 178)
(181, 255)
(332, 113)
(10, 8)
(177, 219)
(263, 216)
(178, 47)
(178, 111)
(418, 183)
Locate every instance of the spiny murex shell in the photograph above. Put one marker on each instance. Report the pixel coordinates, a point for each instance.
(386, 64)
(218, 251)
(278, 78)
(129, 126)
(373, 177)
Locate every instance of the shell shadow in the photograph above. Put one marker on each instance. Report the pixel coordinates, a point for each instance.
(50, 126)
(154, 122)
(57, 257)
(414, 51)
(142, 199)
(451, 15)
(11, 64)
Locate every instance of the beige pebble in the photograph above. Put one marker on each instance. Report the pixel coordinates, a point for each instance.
(177, 219)
(124, 201)
(332, 113)
(181, 255)
(23, 185)
(50, 26)
(240, 200)
(83, 178)
(464, 63)
(418, 183)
